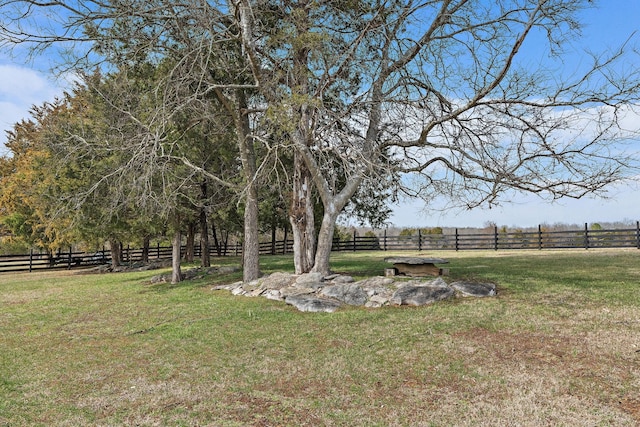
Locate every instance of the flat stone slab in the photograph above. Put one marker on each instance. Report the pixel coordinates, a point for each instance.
(417, 266)
(415, 260)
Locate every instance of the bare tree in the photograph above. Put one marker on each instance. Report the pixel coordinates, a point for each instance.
(438, 89)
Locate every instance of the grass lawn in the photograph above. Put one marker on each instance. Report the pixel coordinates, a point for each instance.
(560, 345)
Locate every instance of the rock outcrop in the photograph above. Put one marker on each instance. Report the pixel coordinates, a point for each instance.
(316, 293)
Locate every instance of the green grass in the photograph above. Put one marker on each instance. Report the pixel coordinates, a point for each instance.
(560, 345)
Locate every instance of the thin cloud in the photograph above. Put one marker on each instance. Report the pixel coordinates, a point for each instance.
(21, 85)
(20, 89)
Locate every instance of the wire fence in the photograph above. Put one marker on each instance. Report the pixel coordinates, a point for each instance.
(455, 239)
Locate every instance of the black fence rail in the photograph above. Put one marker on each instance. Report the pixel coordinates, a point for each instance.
(42, 261)
(541, 239)
(458, 240)
(497, 240)
(69, 259)
(505, 240)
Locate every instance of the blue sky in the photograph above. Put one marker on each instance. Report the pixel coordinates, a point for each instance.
(23, 85)
(527, 210)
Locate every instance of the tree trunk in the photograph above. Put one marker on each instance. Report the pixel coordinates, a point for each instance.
(274, 227)
(176, 273)
(216, 243)
(205, 257)
(301, 218)
(189, 252)
(251, 250)
(116, 253)
(285, 244)
(333, 204)
(325, 241)
(225, 244)
(146, 242)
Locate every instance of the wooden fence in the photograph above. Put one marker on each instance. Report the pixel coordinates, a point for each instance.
(69, 259)
(456, 240)
(505, 240)
(35, 261)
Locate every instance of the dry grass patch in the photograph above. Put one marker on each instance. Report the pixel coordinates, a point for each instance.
(558, 346)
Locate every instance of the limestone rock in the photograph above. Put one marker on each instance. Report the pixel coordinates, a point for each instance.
(306, 278)
(252, 284)
(377, 281)
(238, 291)
(377, 301)
(435, 283)
(310, 280)
(474, 289)
(255, 292)
(277, 281)
(229, 287)
(312, 292)
(348, 293)
(312, 303)
(439, 283)
(380, 291)
(294, 290)
(338, 278)
(273, 294)
(420, 295)
(251, 288)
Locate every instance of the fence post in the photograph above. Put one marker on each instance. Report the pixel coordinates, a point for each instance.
(457, 243)
(384, 240)
(354, 240)
(69, 260)
(539, 237)
(158, 251)
(419, 240)
(586, 235)
(495, 238)
(638, 234)
(30, 260)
